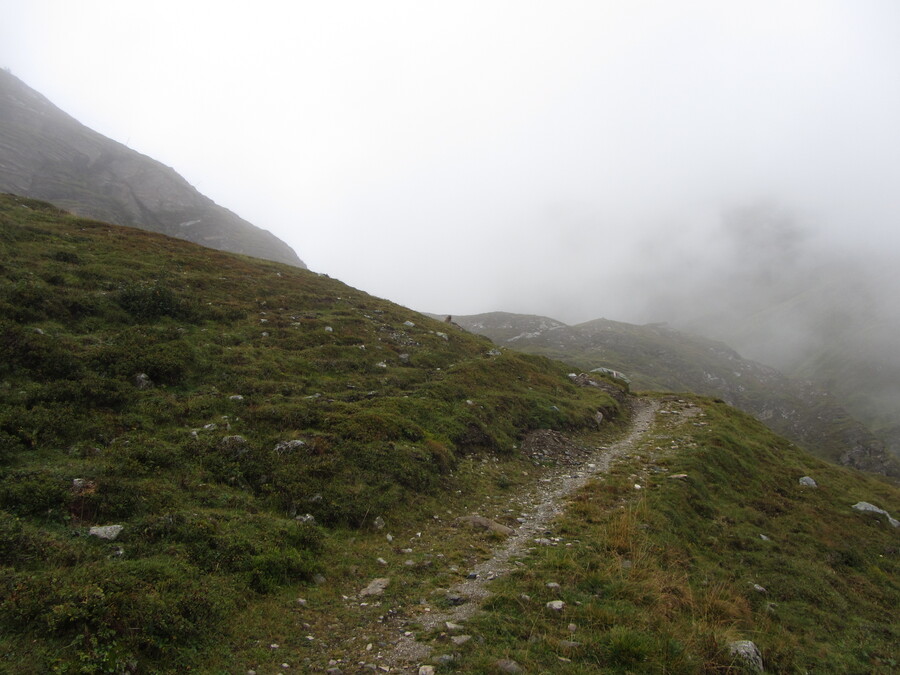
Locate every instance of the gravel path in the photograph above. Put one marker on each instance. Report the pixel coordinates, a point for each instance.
(540, 506)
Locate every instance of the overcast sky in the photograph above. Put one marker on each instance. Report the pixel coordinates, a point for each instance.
(472, 156)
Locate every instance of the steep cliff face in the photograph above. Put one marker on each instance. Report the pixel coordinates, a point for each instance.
(46, 154)
(658, 357)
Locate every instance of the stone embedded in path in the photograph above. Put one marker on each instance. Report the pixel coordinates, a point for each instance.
(376, 587)
(480, 522)
(871, 508)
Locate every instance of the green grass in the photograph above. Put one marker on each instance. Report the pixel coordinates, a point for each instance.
(659, 580)
(387, 409)
(277, 393)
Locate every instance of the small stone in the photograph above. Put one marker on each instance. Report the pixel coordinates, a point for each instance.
(460, 640)
(318, 579)
(426, 670)
(764, 537)
(508, 666)
(572, 627)
(681, 476)
(375, 587)
(553, 584)
(871, 508)
(142, 381)
(389, 538)
(409, 324)
(301, 602)
(759, 589)
(379, 523)
(286, 447)
(452, 627)
(381, 561)
(748, 653)
(556, 605)
(236, 446)
(106, 531)
(236, 397)
(455, 599)
(808, 482)
(480, 522)
(329, 329)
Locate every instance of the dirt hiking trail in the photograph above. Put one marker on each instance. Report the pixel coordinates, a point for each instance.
(539, 505)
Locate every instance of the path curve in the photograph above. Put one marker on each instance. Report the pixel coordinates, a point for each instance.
(546, 501)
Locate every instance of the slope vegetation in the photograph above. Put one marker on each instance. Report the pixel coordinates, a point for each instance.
(704, 537)
(224, 418)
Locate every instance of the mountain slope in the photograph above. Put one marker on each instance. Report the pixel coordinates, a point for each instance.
(721, 544)
(288, 460)
(48, 155)
(202, 401)
(657, 357)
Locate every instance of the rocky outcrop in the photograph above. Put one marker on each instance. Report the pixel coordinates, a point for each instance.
(46, 154)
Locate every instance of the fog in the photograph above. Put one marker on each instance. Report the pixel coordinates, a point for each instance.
(571, 159)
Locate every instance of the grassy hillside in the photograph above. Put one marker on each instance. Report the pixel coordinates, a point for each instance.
(271, 440)
(721, 543)
(204, 401)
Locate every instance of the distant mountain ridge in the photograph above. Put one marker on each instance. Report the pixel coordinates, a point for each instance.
(657, 357)
(46, 154)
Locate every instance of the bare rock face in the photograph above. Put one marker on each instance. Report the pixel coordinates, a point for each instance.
(46, 154)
